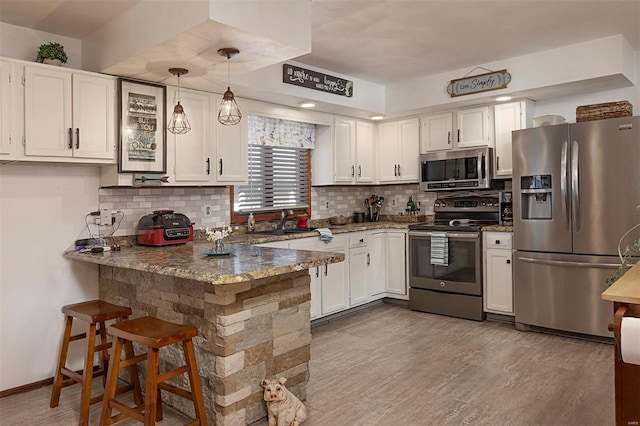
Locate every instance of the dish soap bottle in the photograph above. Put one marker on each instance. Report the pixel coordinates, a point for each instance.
(251, 223)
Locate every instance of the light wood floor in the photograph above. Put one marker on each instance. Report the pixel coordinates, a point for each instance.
(387, 365)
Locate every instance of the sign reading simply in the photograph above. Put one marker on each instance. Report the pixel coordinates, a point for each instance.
(479, 83)
(316, 80)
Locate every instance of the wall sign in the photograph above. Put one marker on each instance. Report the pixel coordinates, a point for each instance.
(479, 83)
(316, 80)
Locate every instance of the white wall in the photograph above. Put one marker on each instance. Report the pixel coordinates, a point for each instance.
(22, 43)
(566, 106)
(42, 212)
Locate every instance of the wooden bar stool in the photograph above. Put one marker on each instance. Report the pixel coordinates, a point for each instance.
(92, 312)
(154, 334)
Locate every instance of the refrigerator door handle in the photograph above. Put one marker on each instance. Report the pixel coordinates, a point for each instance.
(565, 263)
(575, 186)
(564, 182)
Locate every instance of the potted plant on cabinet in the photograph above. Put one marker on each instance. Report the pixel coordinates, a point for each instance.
(52, 53)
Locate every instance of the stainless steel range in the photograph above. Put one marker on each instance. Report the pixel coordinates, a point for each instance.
(445, 258)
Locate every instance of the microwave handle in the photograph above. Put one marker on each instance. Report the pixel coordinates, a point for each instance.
(480, 171)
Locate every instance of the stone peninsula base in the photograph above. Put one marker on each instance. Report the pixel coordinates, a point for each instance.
(248, 331)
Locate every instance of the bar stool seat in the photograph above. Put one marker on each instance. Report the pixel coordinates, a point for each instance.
(93, 313)
(153, 333)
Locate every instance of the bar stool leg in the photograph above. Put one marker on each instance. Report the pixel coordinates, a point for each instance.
(151, 396)
(104, 354)
(194, 381)
(87, 376)
(112, 381)
(133, 373)
(62, 361)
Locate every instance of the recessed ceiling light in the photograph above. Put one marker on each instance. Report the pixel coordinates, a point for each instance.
(307, 104)
(503, 98)
(376, 117)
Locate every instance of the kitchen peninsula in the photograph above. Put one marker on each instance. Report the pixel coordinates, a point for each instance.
(251, 308)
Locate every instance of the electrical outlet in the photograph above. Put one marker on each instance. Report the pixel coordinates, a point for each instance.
(105, 217)
(393, 202)
(207, 210)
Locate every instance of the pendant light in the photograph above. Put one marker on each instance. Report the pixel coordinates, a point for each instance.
(229, 113)
(178, 124)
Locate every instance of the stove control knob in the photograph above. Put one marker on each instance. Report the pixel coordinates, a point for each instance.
(437, 205)
(483, 203)
(443, 204)
(489, 204)
(442, 284)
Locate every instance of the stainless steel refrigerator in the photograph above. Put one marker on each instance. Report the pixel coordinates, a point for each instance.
(576, 188)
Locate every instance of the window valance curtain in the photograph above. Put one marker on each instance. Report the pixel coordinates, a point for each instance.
(268, 131)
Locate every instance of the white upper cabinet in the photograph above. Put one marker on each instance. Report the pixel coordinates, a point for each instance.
(509, 117)
(348, 147)
(344, 150)
(473, 127)
(68, 114)
(231, 151)
(437, 132)
(7, 108)
(365, 152)
(398, 150)
(192, 150)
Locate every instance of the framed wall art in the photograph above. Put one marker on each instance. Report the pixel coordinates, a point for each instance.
(142, 127)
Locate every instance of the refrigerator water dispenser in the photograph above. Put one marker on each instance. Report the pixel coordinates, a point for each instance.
(536, 197)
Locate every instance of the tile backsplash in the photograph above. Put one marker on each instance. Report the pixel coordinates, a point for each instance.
(195, 202)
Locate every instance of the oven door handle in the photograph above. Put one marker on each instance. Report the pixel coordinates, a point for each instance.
(459, 235)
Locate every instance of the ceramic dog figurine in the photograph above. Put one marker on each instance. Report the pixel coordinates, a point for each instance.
(283, 407)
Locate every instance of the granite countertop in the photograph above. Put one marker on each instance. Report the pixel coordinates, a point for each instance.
(247, 263)
(497, 228)
(626, 289)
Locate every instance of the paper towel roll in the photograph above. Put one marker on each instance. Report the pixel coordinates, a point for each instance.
(630, 340)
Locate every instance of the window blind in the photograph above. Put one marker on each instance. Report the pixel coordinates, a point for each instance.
(277, 179)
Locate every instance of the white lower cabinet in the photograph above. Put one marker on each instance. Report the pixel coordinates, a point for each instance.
(329, 283)
(396, 261)
(374, 267)
(359, 265)
(378, 263)
(498, 272)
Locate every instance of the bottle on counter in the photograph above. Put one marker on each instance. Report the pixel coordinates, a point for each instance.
(251, 223)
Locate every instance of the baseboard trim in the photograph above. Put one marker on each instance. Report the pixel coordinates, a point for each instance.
(26, 388)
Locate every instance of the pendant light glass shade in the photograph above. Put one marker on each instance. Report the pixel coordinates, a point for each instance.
(178, 124)
(229, 113)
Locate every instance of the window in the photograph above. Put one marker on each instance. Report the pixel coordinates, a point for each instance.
(278, 178)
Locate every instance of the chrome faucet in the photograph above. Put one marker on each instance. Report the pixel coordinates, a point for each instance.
(284, 214)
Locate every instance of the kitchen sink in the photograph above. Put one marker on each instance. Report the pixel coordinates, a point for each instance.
(284, 231)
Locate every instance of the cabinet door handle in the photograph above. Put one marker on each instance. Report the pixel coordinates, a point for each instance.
(317, 271)
(359, 171)
(399, 172)
(497, 163)
(458, 135)
(449, 137)
(368, 259)
(77, 137)
(508, 261)
(395, 170)
(208, 166)
(221, 167)
(326, 268)
(353, 171)
(497, 241)
(70, 138)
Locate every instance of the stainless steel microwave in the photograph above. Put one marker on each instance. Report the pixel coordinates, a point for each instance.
(460, 169)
